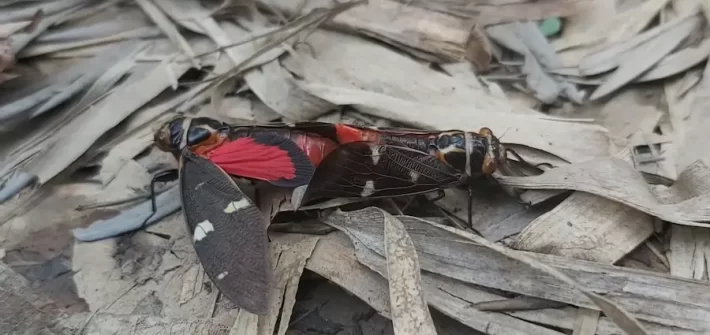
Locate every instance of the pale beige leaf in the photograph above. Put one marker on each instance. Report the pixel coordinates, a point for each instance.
(589, 227)
(335, 258)
(39, 138)
(168, 28)
(586, 226)
(112, 110)
(245, 324)
(610, 57)
(622, 317)
(619, 27)
(122, 153)
(292, 252)
(444, 251)
(276, 88)
(428, 33)
(677, 62)
(348, 61)
(7, 29)
(687, 254)
(642, 57)
(478, 49)
(586, 323)
(615, 179)
(410, 313)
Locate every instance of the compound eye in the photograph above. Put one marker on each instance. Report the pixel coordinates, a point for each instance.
(443, 141)
(197, 135)
(457, 140)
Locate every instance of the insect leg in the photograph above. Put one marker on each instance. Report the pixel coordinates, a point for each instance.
(162, 177)
(470, 206)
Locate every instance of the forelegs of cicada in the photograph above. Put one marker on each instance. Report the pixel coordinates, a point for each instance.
(160, 177)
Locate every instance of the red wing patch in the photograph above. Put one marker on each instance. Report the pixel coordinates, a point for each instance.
(315, 146)
(348, 134)
(268, 157)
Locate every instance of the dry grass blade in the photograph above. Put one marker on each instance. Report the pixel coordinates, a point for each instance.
(677, 62)
(620, 27)
(641, 58)
(114, 109)
(410, 313)
(245, 324)
(290, 254)
(107, 68)
(609, 58)
(622, 318)
(168, 28)
(315, 18)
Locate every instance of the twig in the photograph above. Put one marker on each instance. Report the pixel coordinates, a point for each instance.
(103, 308)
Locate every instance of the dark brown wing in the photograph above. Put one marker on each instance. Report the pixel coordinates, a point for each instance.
(228, 233)
(370, 170)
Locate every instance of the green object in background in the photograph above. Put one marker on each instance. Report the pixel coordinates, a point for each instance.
(551, 26)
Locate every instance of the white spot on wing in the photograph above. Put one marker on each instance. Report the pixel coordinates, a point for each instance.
(237, 205)
(368, 189)
(202, 229)
(222, 275)
(414, 176)
(375, 154)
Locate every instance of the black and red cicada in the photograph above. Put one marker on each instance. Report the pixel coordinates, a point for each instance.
(330, 160)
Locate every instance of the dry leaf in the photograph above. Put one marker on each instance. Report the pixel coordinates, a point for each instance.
(443, 251)
(610, 57)
(292, 251)
(615, 179)
(168, 28)
(410, 313)
(586, 226)
(638, 60)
